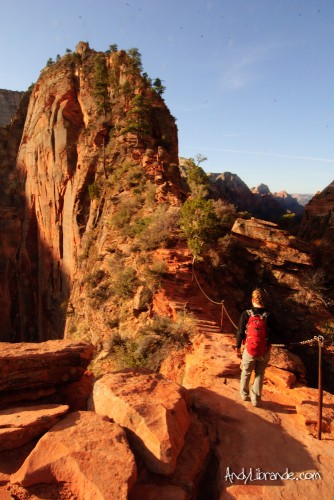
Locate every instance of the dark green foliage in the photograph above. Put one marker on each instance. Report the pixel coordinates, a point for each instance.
(50, 62)
(199, 224)
(94, 191)
(158, 86)
(113, 47)
(197, 179)
(101, 82)
(138, 117)
(135, 59)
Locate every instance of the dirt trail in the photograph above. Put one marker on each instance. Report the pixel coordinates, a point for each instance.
(271, 438)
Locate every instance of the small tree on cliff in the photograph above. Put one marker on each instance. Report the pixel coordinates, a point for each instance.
(199, 224)
(138, 117)
(135, 58)
(101, 82)
(158, 86)
(197, 179)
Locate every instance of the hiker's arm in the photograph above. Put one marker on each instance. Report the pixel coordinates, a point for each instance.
(240, 335)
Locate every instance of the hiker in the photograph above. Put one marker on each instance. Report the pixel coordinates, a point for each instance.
(256, 331)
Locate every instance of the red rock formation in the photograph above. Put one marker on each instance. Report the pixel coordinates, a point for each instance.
(266, 235)
(152, 408)
(43, 365)
(71, 144)
(318, 222)
(88, 452)
(20, 425)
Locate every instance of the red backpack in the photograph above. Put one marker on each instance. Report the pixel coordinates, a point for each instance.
(256, 333)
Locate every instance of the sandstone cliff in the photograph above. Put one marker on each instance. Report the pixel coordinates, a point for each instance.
(92, 120)
(317, 227)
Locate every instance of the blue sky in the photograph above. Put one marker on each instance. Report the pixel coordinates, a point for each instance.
(249, 81)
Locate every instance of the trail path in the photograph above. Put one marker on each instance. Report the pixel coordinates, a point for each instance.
(271, 438)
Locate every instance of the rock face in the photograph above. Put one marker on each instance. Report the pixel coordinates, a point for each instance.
(265, 234)
(317, 227)
(20, 425)
(34, 366)
(74, 143)
(149, 406)
(259, 201)
(87, 451)
(15, 293)
(318, 221)
(288, 202)
(9, 103)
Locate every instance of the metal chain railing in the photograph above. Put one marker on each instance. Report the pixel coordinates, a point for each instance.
(221, 303)
(316, 339)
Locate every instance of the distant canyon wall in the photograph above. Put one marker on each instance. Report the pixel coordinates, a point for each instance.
(9, 103)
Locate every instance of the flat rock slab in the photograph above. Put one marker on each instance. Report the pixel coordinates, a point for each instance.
(21, 424)
(152, 408)
(43, 364)
(86, 451)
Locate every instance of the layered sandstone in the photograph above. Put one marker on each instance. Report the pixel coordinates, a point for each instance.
(267, 235)
(88, 452)
(318, 222)
(72, 145)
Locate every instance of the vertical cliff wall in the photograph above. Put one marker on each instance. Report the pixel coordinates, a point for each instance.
(88, 114)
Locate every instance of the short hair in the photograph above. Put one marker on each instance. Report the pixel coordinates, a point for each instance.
(258, 297)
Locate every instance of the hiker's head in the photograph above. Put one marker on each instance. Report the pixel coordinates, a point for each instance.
(258, 298)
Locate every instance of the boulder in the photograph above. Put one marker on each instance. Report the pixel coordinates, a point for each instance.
(21, 424)
(286, 360)
(267, 236)
(86, 451)
(280, 378)
(44, 364)
(153, 410)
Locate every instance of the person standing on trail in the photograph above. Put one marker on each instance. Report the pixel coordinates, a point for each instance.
(256, 331)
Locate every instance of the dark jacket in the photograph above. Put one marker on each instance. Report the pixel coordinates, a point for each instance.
(273, 336)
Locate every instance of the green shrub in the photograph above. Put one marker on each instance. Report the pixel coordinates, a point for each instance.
(124, 283)
(124, 352)
(163, 334)
(94, 191)
(199, 224)
(95, 278)
(160, 228)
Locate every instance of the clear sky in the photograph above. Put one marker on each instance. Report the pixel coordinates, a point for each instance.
(251, 82)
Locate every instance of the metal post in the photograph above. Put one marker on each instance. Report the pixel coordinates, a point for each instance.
(222, 317)
(320, 344)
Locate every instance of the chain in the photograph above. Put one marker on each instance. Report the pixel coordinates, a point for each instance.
(303, 342)
(320, 339)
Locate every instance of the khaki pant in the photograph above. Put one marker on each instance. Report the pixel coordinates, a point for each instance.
(248, 364)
